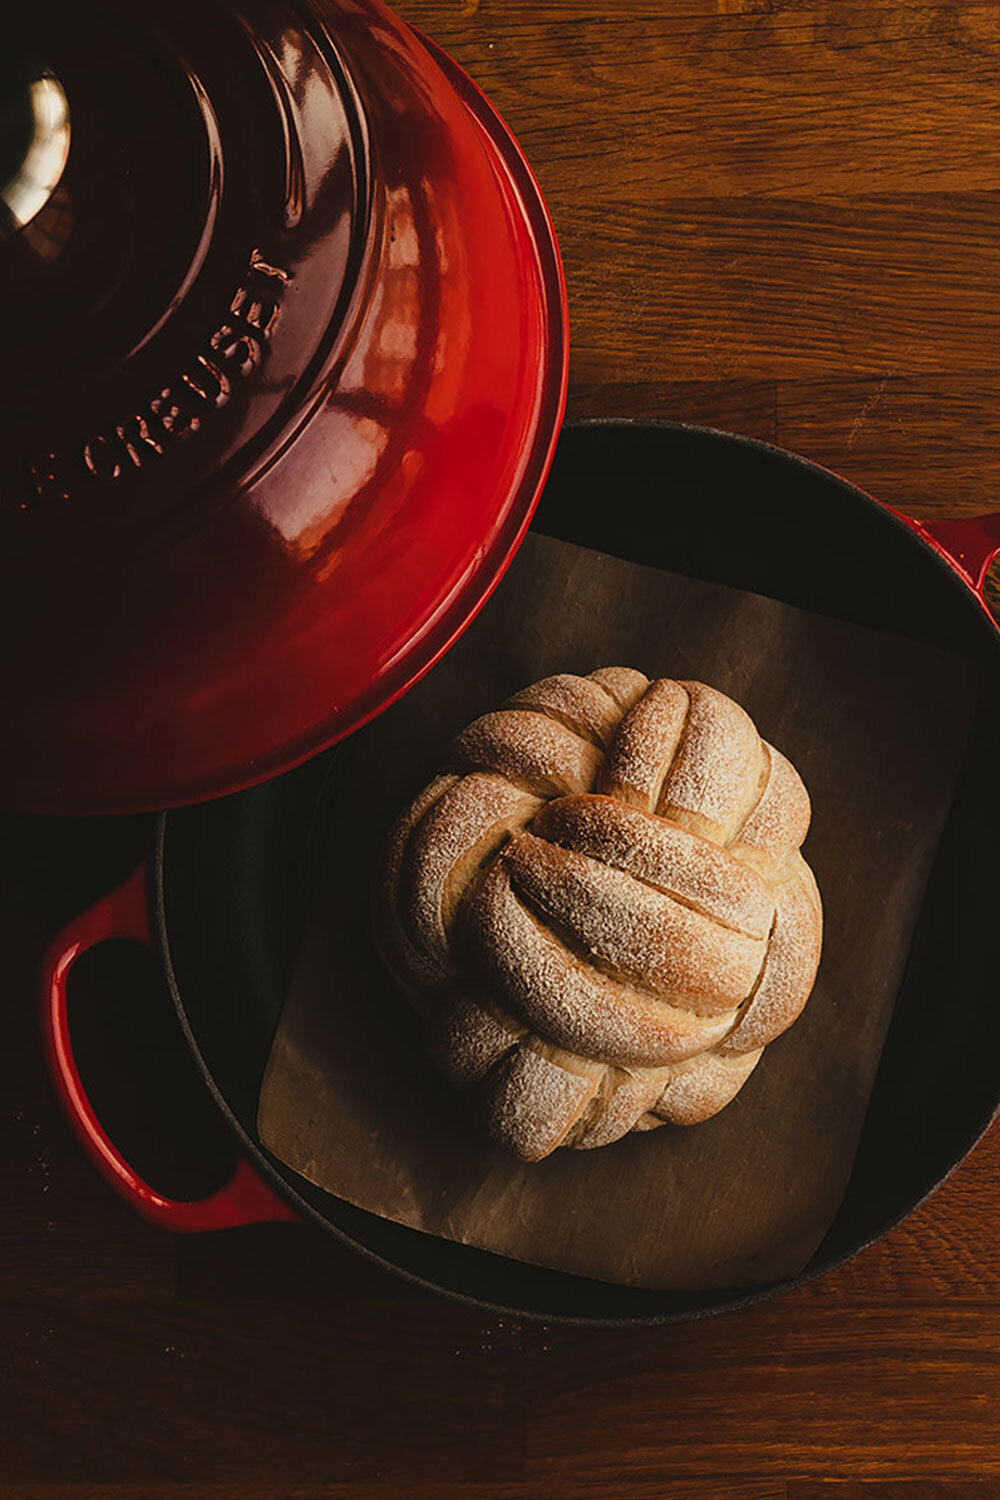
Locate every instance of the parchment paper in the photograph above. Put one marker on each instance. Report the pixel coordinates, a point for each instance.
(875, 724)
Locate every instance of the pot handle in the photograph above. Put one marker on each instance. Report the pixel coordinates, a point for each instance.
(970, 544)
(246, 1198)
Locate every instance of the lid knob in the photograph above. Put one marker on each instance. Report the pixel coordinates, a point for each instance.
(34, 139)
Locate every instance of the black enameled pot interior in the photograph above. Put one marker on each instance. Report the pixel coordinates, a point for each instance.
(233, 878)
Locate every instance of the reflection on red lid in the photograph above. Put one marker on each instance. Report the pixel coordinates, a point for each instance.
(288, 361)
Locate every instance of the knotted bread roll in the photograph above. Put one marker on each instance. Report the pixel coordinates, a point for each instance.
(601, 910)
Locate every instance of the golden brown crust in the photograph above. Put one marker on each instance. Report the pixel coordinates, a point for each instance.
(708, 879)
(645, 745)
(703, 1085)
(414, 970)
(718, 771)
(529, 750)
(466, 1038)
(453, 839)
(625, 685)
(571, 1002)
(578, 703)
(790, 967)
(603, 912)
(633, 932)
(776, 827)
(535, 1097)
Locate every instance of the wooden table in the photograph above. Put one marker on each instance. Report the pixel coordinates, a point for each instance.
(779, 219)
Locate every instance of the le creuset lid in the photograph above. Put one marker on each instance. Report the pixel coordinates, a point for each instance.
(285, 353)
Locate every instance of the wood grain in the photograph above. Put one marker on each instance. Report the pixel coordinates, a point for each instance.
(903, 1489)
(778, 218)
(587, 1489)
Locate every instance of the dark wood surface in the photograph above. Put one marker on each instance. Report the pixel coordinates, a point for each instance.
(779, 219)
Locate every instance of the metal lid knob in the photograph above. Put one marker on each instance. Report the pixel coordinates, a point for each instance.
(34, 139)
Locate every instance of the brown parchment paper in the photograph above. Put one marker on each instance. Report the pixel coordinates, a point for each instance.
(876, 726)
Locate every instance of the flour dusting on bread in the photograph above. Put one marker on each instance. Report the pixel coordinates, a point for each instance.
(602, 910)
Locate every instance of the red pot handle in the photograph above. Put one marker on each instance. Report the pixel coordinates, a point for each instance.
(970, 544)
(246, 1198)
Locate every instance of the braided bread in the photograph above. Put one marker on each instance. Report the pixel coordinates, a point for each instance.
(601, 909)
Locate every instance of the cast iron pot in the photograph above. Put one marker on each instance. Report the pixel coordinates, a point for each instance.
(226, 893)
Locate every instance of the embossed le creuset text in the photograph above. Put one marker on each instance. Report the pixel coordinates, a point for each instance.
(231, 353)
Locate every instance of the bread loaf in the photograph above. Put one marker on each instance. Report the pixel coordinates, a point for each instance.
(601, 910)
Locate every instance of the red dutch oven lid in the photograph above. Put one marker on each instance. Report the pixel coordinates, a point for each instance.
(285, 347)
